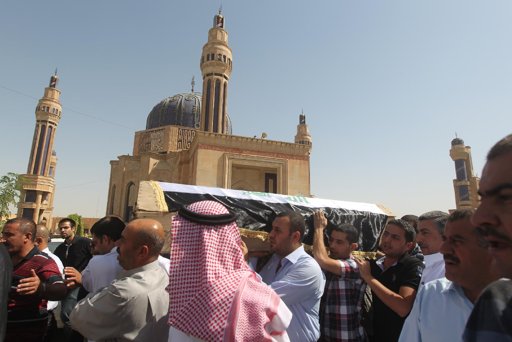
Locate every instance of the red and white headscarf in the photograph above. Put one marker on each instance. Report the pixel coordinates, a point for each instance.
(214, 295)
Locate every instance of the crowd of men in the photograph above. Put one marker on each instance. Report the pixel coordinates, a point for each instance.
(436, 277)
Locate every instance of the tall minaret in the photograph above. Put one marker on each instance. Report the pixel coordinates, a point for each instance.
(303, 137)
(38, 185)
(466, 183)
(216, 66)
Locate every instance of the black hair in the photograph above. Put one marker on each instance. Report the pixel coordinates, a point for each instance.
(110, 226)
(72, 222)
(350, 230)
(297, 223)
(410, 233)
(26, 226)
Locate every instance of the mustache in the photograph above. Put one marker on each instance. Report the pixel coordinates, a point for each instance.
(449, 257)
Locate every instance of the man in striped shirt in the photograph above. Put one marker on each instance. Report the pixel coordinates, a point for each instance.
(35, 279)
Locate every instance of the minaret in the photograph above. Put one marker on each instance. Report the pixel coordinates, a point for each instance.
(216, 66)
(466, 183)
(38, 185)
(303, 137)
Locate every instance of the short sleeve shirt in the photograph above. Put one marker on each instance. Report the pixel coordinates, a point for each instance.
(340, 307)
(406, 272)
(28, 307)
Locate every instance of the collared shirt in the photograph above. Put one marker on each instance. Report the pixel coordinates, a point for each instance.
(27, 317)
(439, 313)
(387, 324)
(132, 308)
(26, 307)
(300, 284)
(491, 319)
(340, 308)
(52, 304)
(434, 268)
(164, 263)
(101, 271)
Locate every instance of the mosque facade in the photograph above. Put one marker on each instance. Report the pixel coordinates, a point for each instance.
(188, 140)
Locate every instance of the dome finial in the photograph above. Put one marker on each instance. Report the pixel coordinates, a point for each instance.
(302, 118)
(193, 83)
(54, 79)
(218, 20)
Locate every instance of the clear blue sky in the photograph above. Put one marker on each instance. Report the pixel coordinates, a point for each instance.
(384, 85)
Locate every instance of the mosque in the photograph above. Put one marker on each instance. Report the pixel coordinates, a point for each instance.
(188, 140)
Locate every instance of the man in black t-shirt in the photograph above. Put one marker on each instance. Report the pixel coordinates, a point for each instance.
(74, 252)
(393, 279)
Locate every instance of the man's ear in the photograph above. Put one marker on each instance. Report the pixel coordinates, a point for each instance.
(354, 246)
(296, 237)
(143, 251)
(28, 236)
(106, 239)
(38, 240)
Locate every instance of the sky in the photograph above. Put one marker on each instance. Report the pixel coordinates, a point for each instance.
(385, 86)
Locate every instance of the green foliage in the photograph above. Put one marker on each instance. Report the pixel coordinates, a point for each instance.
(9, 194)
(79, 224)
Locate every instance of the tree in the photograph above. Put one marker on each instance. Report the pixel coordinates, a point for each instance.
(9, 194)
(79, 224)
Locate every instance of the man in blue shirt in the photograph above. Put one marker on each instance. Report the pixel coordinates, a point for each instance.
(295, 276)
(442, 307)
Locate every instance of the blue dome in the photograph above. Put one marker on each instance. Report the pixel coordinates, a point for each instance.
(179, 110)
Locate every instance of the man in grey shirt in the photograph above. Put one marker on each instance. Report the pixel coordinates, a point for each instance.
(134, 307)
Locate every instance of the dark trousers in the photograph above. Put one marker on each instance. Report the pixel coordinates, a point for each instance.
(66, 306)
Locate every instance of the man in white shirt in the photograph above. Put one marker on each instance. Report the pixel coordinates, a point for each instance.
(134, 307)
(430, 238)
(41, 241)
(442, 306)
(103, 267)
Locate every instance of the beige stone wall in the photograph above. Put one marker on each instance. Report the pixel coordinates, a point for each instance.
(216, 160)
(298, 177)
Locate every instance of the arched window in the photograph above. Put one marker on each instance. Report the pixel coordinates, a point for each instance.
(130, 201)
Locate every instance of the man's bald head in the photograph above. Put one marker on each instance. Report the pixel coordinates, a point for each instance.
(42, 236)
(148, 232)
(140, 243)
